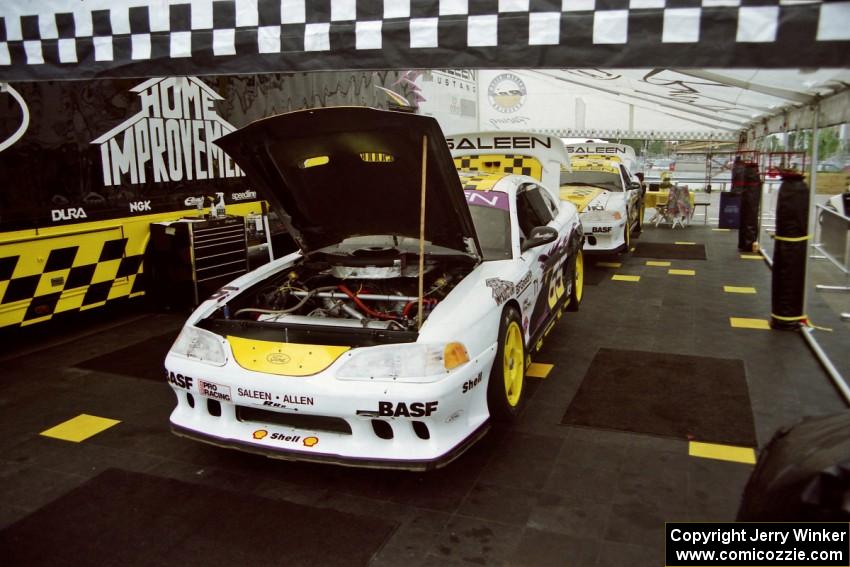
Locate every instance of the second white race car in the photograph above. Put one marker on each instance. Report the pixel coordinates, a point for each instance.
(608, 196)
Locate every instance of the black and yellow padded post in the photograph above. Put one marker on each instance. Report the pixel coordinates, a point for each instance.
(749, 184)
(788, 287)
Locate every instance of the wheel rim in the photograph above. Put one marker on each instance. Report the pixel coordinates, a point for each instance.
(579, 283)
(513, 362)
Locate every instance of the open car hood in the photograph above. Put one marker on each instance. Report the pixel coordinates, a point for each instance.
(336, 173)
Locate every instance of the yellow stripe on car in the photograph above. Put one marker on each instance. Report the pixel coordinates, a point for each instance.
(480, 181)
(506, 164)
(579, 196)
(284, 359)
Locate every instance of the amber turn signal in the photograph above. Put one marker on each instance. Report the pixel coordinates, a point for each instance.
(454, 355)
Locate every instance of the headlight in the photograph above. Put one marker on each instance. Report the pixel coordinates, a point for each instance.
(601, 216)
(198, 344)
(403, 362)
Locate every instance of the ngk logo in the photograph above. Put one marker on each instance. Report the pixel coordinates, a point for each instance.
(140, 206)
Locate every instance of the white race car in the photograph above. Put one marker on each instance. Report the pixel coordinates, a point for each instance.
(609, 198)
(358, 349)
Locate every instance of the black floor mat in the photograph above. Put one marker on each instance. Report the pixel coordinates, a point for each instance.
(145, 359)
(124, 518)
(694, 397)
(595, 276)
(665, 251)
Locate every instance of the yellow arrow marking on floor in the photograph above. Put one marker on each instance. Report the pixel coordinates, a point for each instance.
(686, 243)
(722, 452)
(623, 278)
(746, 323)
(80, 428)
(608, 264)
(735, 289)
(751, 257)
(673, 272)
(654, 263)
(539, 370)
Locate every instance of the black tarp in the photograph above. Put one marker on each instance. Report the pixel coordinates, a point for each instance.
(747, 183)
(803, 474)
(788, 285)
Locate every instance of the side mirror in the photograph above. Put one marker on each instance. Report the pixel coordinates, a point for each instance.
(539, 236)
(634, 185)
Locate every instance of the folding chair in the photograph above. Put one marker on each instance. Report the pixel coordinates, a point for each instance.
(677, 210)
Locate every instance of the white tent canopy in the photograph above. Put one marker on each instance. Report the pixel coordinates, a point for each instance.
(664, 103)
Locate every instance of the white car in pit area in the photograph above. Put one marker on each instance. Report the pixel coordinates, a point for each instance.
(608, 196)
(358, 349)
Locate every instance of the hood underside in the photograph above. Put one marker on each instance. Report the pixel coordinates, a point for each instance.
(337, 173)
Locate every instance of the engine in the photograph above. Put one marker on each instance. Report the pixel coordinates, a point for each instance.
(371, 288)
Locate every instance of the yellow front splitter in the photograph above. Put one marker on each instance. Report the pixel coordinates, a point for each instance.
(284, 359)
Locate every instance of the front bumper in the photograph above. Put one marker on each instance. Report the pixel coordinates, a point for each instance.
(604, 236)
(415, 426)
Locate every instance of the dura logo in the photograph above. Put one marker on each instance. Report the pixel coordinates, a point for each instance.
(194, 201)
(401, 409)
(140, 206)
(601, 229)
(179, 380)
(470, 384)
(68, 214)
(170, 139)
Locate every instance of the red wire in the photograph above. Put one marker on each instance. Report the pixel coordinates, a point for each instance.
(426, 301)
(351, 295)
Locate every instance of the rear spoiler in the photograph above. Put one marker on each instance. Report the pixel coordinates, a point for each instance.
(626, 154)
(547, 150)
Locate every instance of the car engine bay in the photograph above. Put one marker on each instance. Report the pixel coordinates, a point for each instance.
(373, 287)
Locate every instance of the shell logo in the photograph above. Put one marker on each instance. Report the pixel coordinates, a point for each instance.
(310, 441)
(261, 433)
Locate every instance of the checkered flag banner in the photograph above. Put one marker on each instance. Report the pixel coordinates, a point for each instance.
(55, 39)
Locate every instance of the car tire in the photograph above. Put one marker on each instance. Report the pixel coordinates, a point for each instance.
(627, 235)
(506, 387)
(641, 214)
(577, 289)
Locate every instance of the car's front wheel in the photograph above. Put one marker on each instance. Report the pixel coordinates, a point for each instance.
(506, 389)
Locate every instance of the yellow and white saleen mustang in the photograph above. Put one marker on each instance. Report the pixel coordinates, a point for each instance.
(609, 198)
(324, 355)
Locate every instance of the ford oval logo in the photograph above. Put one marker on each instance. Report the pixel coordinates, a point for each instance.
(278, 358)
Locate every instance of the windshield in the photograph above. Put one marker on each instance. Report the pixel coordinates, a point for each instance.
(603, 179)
(492, 220)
